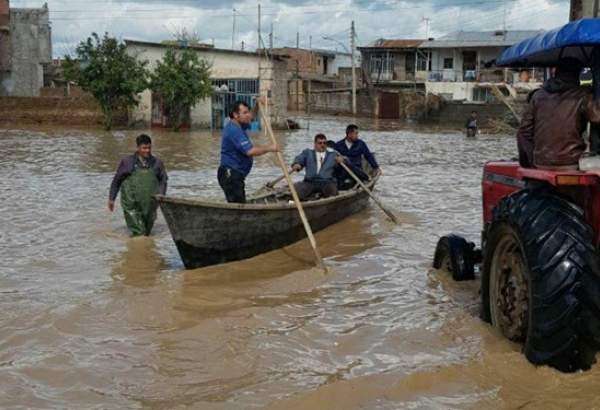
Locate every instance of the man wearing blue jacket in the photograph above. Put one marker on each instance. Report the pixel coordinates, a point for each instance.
(354, 149)
(319, 164)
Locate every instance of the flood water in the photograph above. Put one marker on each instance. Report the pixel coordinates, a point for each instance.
(93, 319)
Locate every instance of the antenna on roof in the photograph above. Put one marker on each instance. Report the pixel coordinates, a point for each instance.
(504, 17)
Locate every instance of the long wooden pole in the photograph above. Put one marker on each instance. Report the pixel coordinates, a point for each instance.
(363, 186)
(276, 181)
(307, 228)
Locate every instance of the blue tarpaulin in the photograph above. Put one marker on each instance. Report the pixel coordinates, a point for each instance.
(575, 39)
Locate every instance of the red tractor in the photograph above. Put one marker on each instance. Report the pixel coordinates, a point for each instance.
(540, 256)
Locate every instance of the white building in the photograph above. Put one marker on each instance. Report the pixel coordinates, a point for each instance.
(236, 75)
(461, 65)
(335, 60)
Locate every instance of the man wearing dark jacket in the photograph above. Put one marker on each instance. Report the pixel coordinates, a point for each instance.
(354, 149)
(319, 164)
(550, 135)
(139, 177)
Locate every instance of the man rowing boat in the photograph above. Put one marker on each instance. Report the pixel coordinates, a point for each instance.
(237, 153)
(354, 149)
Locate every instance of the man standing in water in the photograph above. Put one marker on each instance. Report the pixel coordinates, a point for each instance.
(237, 153)
(139, 177)
(471, 124)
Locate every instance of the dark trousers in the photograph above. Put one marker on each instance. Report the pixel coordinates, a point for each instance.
(345, 181)
(307, 188)
(233, 185)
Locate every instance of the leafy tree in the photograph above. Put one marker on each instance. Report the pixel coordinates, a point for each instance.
(103, 68)
(182, 79)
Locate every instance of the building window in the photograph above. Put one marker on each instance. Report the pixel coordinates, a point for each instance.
(482, 95)
(423, 61)
(448, 63)
(381, 66)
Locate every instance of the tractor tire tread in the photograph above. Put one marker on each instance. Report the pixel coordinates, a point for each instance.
(557, 242)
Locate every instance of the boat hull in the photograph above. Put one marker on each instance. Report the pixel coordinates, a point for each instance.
(208, 233)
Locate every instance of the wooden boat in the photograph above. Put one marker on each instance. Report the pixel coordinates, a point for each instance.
(208, 233)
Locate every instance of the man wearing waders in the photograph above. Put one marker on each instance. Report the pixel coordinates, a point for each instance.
(139, 177)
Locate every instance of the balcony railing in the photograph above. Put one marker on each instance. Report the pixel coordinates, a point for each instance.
(492, 75)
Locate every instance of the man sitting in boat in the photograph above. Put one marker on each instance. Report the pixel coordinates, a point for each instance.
(550, 135)
(319, 164)
(139, 177)
(237, 152)
(354, 149)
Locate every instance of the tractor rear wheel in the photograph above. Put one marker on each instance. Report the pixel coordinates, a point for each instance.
(541, 279)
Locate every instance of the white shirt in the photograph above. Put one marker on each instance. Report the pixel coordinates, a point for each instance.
(320, 159)
(349, 144)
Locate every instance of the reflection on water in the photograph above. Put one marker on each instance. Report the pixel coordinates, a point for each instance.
(92, 318)
(140, 265)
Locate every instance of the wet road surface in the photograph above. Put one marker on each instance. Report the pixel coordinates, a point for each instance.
(93, 319)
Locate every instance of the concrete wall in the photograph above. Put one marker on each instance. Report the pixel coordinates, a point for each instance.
(581, 8)
(456, 114)
(460, 91)
(340, 61)
(341, 103)
(31, 48)
(225, 65)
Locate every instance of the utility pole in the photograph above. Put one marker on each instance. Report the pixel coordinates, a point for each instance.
(259, 37)
(297, 39)
(271, 40)
(298, 83)
(311, 53)
(233, 32)
(504, 17)
(243, 44)
(352, 47)
(426, 20)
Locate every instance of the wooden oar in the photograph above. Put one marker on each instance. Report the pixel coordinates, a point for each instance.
(270, 185)
(363, 186)
(297, 202)
(276, 181)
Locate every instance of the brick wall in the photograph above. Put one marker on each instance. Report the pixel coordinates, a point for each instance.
(53, 110)
(4, 12)
(4, 37)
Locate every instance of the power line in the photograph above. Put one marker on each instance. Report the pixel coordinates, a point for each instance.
(280, 12)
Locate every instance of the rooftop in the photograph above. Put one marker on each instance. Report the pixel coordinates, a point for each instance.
(321, 51)
(394, 43)
(499, 38)
(200, 46)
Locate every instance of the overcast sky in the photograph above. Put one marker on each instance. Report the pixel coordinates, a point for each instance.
(212, 20)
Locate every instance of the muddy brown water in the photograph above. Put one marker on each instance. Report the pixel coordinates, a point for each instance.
(93, 319)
